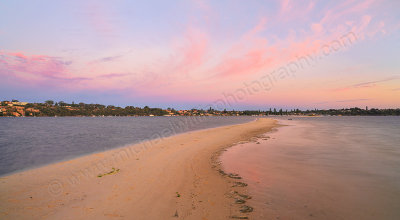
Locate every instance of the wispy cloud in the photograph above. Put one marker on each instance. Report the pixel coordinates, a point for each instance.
(368, 84)
(193, 54)
(249, 55)
(340, 101)
(352, 100)
(37, 68)
(113, 75)
(38, 65)
(254, 51)
(106, 59)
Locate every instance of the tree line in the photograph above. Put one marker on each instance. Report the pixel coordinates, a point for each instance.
(61, 108)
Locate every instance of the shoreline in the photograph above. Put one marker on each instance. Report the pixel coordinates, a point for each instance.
(176, 177)
(172, 128)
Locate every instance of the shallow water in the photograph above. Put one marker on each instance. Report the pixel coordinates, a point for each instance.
(32, 142)
(323, 168)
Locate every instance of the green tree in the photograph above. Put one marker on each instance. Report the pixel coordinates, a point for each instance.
(49, 102)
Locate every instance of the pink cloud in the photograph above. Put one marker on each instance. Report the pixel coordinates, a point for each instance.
(193, 53)
(254, 52)
(361, 28)
(248, 63)
(317, 28)
(344, 9)
(35, 68)
(19, 55)
(286, 6)
(189, 55)
(251, 54)
(294, 10)
(261, 25)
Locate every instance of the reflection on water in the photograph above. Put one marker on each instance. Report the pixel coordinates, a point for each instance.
(323, 168)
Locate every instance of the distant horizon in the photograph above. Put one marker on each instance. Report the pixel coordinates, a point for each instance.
(206, 106)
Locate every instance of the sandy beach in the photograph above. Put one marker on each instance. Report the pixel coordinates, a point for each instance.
(178, 177)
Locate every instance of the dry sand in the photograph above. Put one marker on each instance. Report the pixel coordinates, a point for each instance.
(172, 178)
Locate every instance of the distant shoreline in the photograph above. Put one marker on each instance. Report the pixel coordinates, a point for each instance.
(62, 109)
(117, 116)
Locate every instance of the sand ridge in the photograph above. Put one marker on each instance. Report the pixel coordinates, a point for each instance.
(178, 177)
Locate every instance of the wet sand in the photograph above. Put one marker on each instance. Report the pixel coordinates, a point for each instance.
(177, 177)
(324, 170)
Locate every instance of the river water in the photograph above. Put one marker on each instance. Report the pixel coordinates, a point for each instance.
(32, 142)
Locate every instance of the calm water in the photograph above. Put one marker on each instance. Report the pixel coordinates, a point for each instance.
(323, 168)
(31, 142)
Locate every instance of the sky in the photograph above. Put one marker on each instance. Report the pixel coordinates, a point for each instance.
(200, 53)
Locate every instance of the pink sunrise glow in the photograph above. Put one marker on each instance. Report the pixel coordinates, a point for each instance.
(210, 54)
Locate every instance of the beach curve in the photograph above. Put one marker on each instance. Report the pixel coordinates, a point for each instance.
(173, 178)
